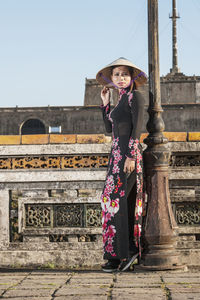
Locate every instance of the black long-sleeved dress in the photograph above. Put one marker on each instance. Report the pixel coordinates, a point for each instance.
(122, 213)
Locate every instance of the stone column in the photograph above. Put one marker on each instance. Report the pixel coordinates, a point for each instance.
(174, 16)
(160, 224)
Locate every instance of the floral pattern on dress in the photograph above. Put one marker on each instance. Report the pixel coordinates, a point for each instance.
(110, 205)
(133, 148)
(130, 97)
(121, 93)
(140, 195)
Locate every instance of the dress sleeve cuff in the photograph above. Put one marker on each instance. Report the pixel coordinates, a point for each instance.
(103, 106)
(106, 107)
(131, 158)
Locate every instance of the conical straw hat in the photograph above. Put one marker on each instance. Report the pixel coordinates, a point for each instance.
(103, 77)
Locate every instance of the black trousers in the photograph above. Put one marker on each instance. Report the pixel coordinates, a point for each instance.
(131, 201)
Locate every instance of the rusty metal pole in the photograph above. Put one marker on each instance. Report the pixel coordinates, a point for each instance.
(160, 224)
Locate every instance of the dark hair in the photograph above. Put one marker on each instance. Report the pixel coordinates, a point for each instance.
(129, 69)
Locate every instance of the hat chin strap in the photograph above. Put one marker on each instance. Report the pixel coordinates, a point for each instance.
(108, 80)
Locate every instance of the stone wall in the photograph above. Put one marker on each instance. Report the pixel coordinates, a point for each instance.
(175, 89)
(88, 119)
(180, 89)
(50, 211)
(180, 97)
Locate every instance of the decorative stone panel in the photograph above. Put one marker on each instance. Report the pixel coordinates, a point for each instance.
(61, 215)
(53, 217)
(93, 215)
(185, 160)
(188, 214)
(79, 161)
(54, 162)
(38, 216)
(69, 215)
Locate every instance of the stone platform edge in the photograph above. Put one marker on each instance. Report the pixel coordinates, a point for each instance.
(38, 139)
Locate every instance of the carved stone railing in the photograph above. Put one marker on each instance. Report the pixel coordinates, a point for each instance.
(50, 201)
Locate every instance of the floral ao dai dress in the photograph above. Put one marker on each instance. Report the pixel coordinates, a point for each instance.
(122, 227)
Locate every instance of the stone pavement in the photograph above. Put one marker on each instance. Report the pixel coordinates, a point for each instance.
(96, 285)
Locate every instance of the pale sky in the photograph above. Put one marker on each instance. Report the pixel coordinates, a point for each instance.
(49, 47)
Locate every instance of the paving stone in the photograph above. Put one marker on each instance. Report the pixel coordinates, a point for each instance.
(50, 281)
(132, 291)
(30, 298)
(180, 289)
(185, 296)
(91, 281)
(8, 283)
(14, 275)
(87, 285)
(50, 275)
(124, 296)
(81, 297)
(137, 278)
(34, 278)
(93, 274)
(129, 284)
(43, 282)
(25, 286)
(53, 272)
(43, 278)
(80, 290)
(184, 274)
(9, 280)
(5, 286)
(181, 280)
(28, 293)
(183, 285)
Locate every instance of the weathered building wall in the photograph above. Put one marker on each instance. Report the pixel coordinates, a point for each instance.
(175, 89)
(88, 119)
(50, 212)
(178, 92)
(72, 119)
(180, 101)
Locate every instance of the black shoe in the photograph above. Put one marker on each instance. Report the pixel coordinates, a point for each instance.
(125, 264)
(110, 266)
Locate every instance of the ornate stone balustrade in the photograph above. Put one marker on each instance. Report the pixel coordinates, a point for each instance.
(50, 199)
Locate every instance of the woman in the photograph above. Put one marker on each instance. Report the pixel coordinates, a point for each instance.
(121, 198)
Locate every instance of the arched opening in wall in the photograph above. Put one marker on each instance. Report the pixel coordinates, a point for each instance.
(33, 126)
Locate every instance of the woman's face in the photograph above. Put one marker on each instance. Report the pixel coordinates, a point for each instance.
(121, 77)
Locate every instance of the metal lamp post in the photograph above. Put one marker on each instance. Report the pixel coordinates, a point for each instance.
(160, 224)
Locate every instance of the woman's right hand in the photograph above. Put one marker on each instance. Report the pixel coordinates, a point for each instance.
(105, 95)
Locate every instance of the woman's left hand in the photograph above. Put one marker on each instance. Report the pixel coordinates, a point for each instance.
(129, 165)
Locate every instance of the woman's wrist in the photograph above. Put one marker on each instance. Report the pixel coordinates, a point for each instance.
(105, 103)
(130, 158)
